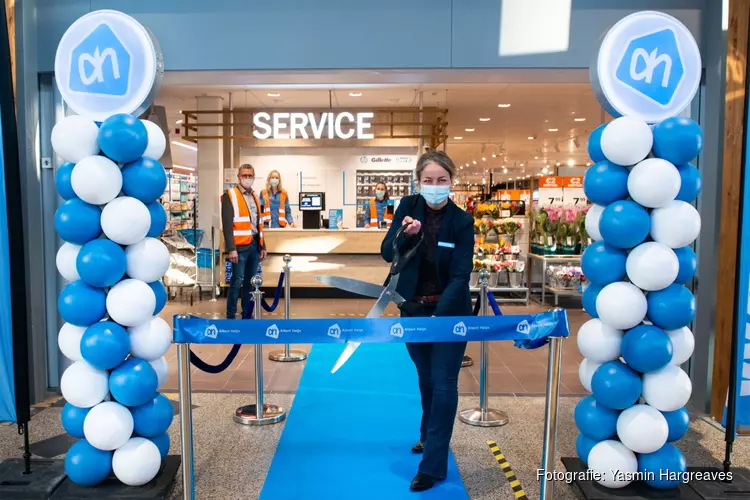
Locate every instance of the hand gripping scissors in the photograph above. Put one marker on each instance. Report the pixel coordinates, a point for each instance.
(384, 294)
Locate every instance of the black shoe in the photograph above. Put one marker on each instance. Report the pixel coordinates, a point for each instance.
(418, 448)
(422, 482)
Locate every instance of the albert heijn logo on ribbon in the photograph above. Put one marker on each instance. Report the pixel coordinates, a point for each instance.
(100, 64)
(397, 330)
(273, 331)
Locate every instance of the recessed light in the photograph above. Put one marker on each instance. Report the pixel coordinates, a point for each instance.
(273, 94)
(588, 163)
(462, 167)
(474, 162)
(470, 130)
(503, 105)
(355, 94)
(557, 164)
(552, 130)
(522, 164)
(580, 119)
(571, 163)
(528, 176)
(183, 168)
(536, 157)
(531, 137)
(179, 122)
(186, 146)
(458, 138)
(484, 119)
(484, 159)
(494, 155)
(517, 177)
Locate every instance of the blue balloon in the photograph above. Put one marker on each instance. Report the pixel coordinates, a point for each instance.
(688, 264)
(101, 263)
(590, 293)
(594, 420)
(671, 308)
(690, 183)
(158, 219)
(86, 465)
(153, 418)
(62, 181)
(160, 291)
(603, 264)
(624, 224)
(594, 145)
(678, 140)
(583, 447)
(105, 345)
(133, 383)
(78, 222)
(162, 442)
(663, 469)
(678, 422)
(81, 304)
(616, 385)
(144, 179)
(123, 138)
(646, 348)
(72, 418)
(605, 183)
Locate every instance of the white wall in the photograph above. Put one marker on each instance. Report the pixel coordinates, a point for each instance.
(330, 170)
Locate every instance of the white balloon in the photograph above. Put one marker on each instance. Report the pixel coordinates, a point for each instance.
(150, 340)
(586, 372)
(125, 220)
(683, 345)
(592, 222)
(613, 463)
(627, 140)
(157, 143)
(69, 341)
(652, 266)
(148, 260)
(642, 429)
(668, 389)
(84, 386)
(621, 305)
(96, 180)
(66, 261)
(161, 367)
(654, 182)
(599, 342)
(677, 224)
(108, 426)
(75, 137)
(131, 302)
(137, 462)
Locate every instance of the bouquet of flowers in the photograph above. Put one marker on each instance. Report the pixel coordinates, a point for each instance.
(487, 210)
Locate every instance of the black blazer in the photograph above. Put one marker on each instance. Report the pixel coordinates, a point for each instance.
(453, 259)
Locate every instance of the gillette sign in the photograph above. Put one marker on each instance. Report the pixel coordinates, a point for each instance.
(327, 125)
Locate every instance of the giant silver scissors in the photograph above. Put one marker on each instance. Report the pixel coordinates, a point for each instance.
(384, 294)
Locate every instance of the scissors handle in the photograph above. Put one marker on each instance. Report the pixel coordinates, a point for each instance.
(400, 261)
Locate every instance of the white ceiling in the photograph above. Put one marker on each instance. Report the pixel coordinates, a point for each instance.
(557, 116)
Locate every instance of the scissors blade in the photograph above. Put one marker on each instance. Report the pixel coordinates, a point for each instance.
(359, 287)
(377, 310)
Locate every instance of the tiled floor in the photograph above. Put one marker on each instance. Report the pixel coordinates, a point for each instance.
(511, 371)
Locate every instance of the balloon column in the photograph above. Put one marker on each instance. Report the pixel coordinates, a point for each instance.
(643, 223)
(111, 257)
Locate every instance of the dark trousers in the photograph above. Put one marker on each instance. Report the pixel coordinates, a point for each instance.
(239, 285)
(438, 365)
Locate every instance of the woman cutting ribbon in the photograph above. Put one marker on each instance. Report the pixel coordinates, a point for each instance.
(434, 283)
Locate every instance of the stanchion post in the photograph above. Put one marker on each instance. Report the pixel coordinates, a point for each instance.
(483, 416)
(287, 355)
(213, 264)
(260, 413)
(186, 421)
(549, 445)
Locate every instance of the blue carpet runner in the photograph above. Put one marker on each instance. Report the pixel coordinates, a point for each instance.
(348, 435)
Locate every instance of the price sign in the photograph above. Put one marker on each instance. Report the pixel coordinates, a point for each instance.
(550, 191)
(573, 195)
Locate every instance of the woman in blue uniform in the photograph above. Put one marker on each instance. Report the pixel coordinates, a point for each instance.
(434, 283)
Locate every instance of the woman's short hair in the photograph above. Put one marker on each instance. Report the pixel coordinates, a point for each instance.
(438, 157)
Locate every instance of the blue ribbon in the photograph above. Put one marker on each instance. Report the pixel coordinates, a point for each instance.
(527, 331)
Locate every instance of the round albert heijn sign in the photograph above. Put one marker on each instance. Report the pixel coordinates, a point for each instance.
(648, 66)
(108, 63)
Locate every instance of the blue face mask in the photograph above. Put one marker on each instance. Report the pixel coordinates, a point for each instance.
(435, 195)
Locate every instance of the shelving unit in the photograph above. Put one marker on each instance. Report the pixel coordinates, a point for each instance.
(507, 294)
(178, 200)
(399, 184)
(545, 260)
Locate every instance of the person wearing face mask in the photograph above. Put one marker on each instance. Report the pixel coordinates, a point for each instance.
(275, 203)
(434, 283)
(243, 238)
(380, 209)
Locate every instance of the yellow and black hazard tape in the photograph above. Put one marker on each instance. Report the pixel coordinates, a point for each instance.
(515, 484)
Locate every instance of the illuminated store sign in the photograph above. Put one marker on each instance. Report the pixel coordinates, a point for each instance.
(313, 125)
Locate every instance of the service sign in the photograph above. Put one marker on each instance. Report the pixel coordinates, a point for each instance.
(648, 66)
(573, 195)
(299, 125)
(108, 63)
(550, 191)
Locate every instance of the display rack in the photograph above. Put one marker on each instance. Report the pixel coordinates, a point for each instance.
(179, 200)
(399, 183)
(546, 260)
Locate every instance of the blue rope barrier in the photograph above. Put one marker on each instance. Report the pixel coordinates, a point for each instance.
(493, 304)
(216, 369)
(276, 298)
